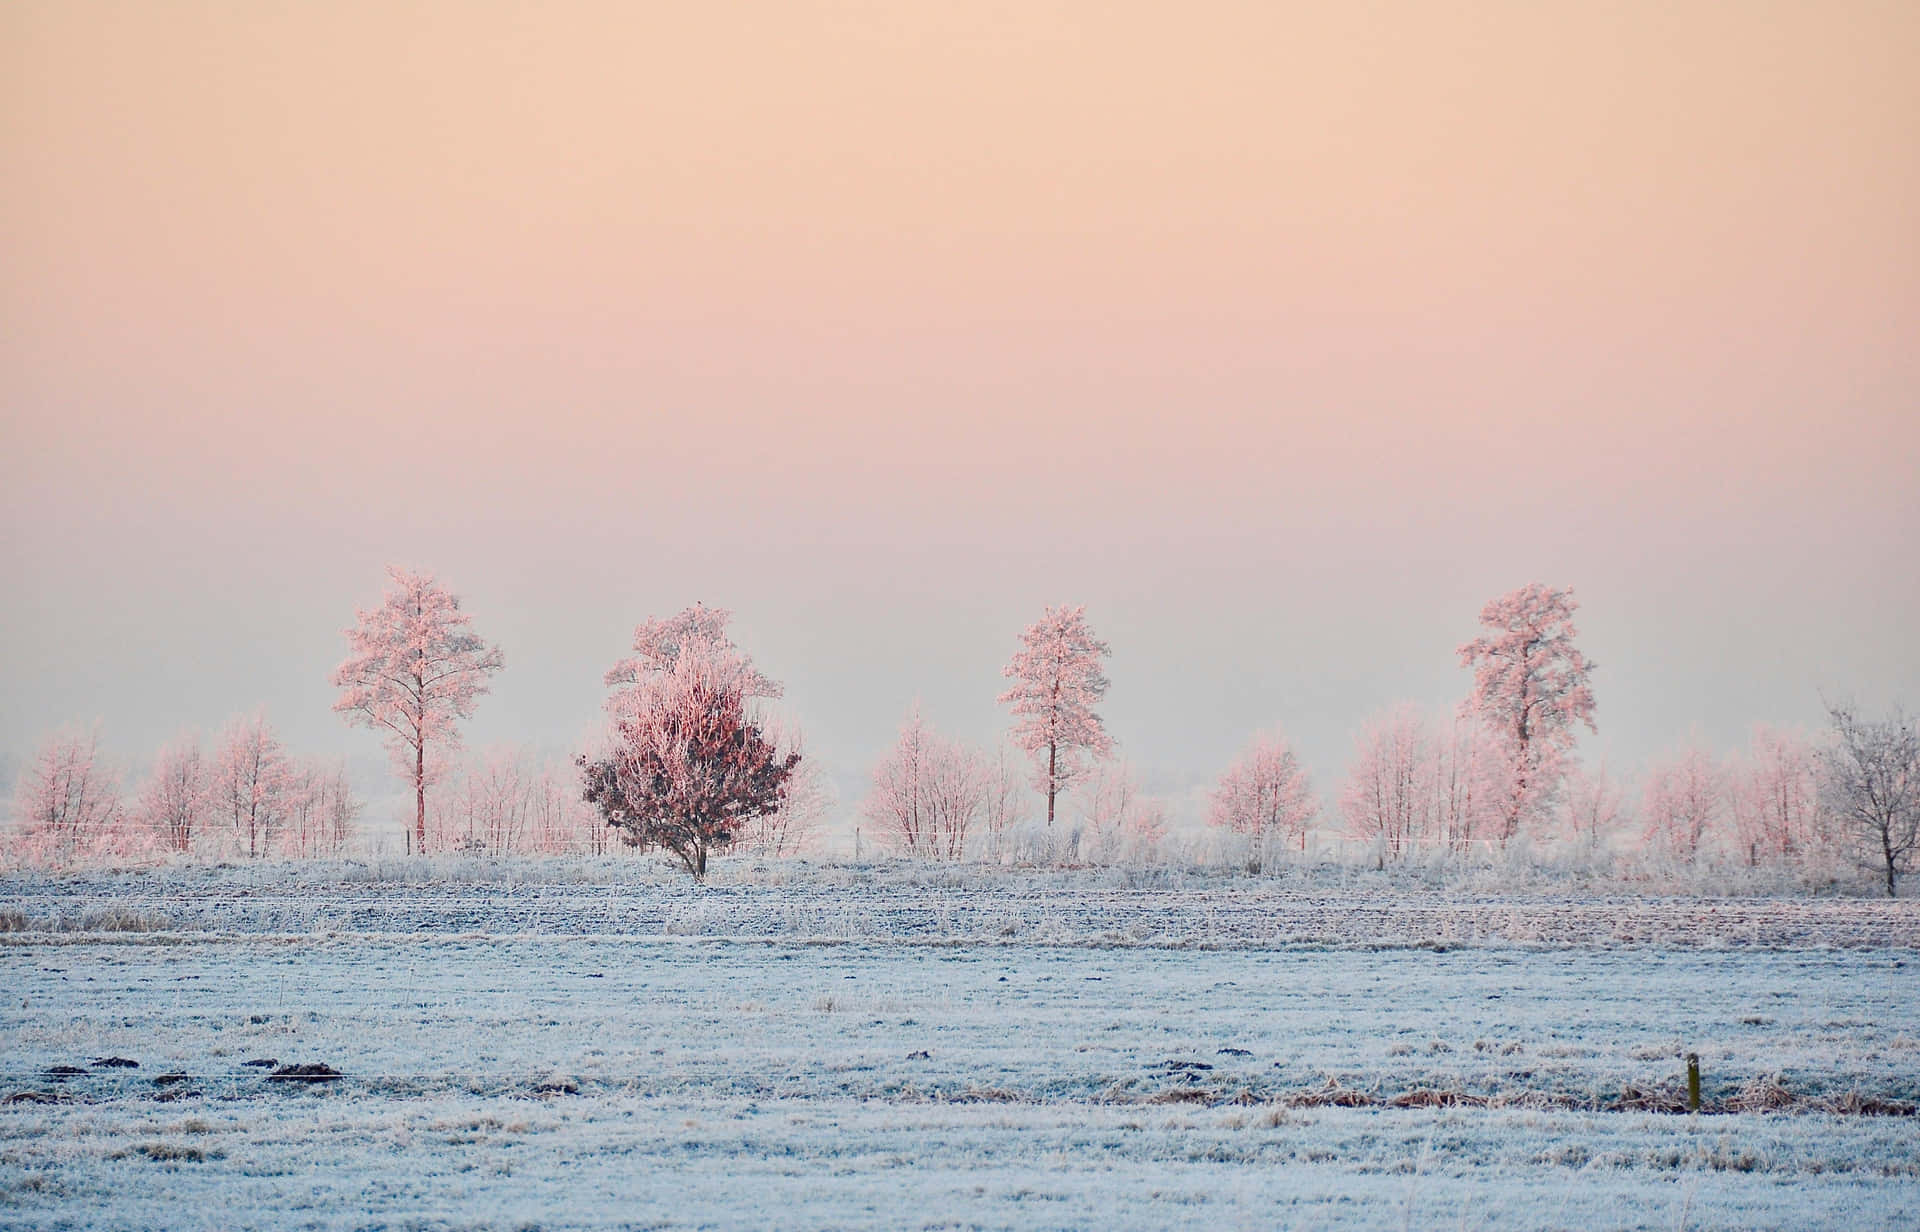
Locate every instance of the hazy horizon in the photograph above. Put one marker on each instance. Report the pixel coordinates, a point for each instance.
(1281, 340)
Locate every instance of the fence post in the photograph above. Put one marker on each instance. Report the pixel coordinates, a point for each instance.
(1693, 1082)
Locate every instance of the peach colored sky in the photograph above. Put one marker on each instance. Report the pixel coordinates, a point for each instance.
(1281, 335)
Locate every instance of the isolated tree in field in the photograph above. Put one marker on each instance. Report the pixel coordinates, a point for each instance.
(67, 800)
(1530, 685)
(1871, 785)
(413, 669)
(253, 785)
(1683, 804)
(1057, 683)
(1265, 794)
(689, 764)
(174, 802)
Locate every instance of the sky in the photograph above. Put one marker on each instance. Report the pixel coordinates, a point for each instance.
(1281, 336)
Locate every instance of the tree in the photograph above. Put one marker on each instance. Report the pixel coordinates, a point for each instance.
(1775, 795)
(689, 764)
(1265, 794)
(253, 785)
(1058, 682)
(1871, 784)
(1684, 804)
(1390, 793)
(1471, 783)
(927, 792)
(173, 803)
(1004, 801)
(562, 821)
(320, 809)
(67, 800)
(1596, 809)
(488, 806)
(1530, 685)
(1121, 822)
(413, 670)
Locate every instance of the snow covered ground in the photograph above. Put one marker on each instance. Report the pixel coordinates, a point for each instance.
(540, 1048)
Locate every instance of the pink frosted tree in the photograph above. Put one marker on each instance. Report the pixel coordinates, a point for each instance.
(1683, 805)
(487, 805)
(689, 765)
(1390, 794)
(1471, 781)
(174, 801)
(1265, 794)
(1121, 822)
(67, 801)
(321, 810)
(1775, 795)
(413, 669)
(253, 785)
(1057, 683)
(1531, 686)
(658, 645)
(927, 792)
(1595, 810)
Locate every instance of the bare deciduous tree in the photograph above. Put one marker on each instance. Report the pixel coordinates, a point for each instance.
(174, 801)
(67, 800)
(1266, 794)
(1871, 784)
(927, 792)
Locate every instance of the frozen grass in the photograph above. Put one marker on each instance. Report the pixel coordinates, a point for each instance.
(902, 902)
(1144, 1050)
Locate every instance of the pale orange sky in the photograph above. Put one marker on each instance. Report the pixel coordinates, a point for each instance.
(1281, 335)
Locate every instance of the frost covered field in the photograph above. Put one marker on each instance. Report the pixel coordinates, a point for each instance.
(601, 1045)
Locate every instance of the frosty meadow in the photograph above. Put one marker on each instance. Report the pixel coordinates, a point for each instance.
(627, 990)
(1080, 616)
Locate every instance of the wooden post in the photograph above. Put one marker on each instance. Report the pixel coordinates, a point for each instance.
(1693, 1082)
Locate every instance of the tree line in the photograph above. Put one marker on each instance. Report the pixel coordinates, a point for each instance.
(690, 763)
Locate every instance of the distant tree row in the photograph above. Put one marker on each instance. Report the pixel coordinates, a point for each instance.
(692, 764)
(247, 799)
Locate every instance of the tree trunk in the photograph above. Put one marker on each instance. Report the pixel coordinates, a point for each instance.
(420, 797)
(1053, 784)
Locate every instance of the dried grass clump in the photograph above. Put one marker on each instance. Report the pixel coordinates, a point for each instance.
(1634, 1098)
(1428, 1097)
(122, 920)
(1765, 1094)
(1331, 1095)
